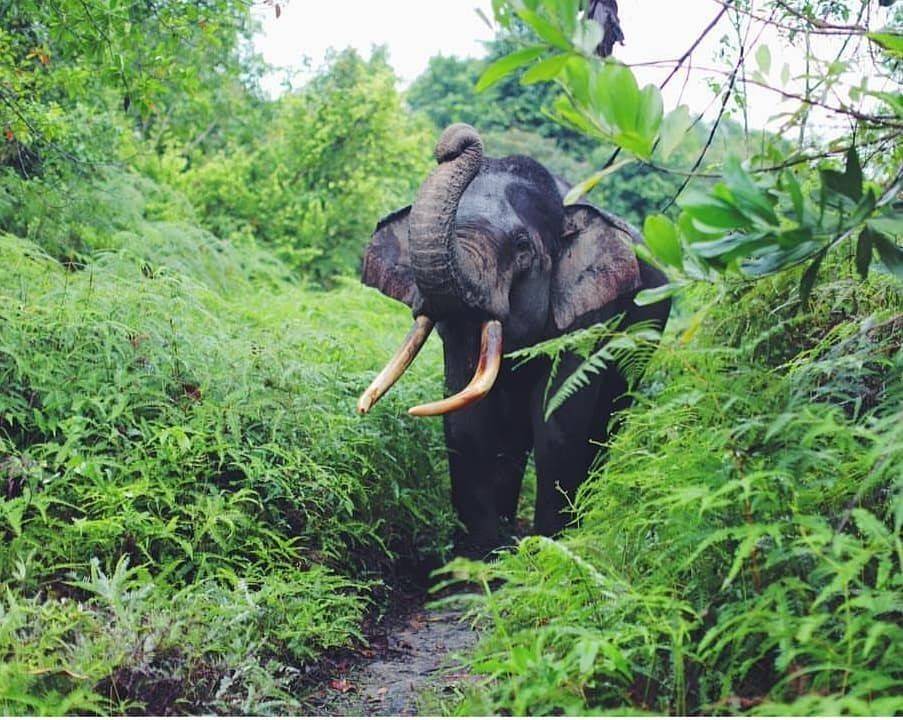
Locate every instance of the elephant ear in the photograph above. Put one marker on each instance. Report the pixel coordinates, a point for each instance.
(596, 264)
(387, 260)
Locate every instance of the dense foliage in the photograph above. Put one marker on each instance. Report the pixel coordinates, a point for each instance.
(739, 552)
(740, 549)
(190, 509)
(190, 513)
(335, 157)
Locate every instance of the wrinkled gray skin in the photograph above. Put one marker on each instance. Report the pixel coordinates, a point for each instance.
(490, 239)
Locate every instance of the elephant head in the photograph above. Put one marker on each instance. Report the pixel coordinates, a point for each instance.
(490, 240)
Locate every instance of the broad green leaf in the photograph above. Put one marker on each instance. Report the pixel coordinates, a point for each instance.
(849, 182)
(617, 96)
(577, 78)
(567, 114)
(506, 65)
(650, 109)
(545, 29)
(763, 59)
(673, 131)
(748, 197)
(634, 142)
(661, 237)
(726, 248)
(567, 12)
(792, 186)
(772, 258)
(545, 70)
(890, 39)
(864, 253)
(654, 295)
(807, 282)
(694, 234)
(894, 101)
(891, 225)
(864, 208)
(890, 253)
(711, 211)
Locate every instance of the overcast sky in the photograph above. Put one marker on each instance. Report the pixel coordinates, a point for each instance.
(415, 30)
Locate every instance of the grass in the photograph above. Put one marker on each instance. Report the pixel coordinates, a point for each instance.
(740, 551)
(192, 514)
(190, 509)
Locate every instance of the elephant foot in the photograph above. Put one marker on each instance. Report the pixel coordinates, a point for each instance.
(474, 548)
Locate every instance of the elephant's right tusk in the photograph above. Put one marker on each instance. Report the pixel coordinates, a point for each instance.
(483, 379)
(396, 367)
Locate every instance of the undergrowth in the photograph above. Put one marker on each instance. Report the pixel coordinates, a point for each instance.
(739, 551)
(190, 510)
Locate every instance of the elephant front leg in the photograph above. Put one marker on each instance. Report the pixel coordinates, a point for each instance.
(568, 442)
(486, 466)
(473, 494)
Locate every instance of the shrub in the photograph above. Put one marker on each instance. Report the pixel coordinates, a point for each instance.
(739, 551)
(190, 508)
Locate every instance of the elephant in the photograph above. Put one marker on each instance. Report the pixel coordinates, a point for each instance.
(490, 256)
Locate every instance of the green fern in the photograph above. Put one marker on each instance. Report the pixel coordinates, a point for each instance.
(601, 346)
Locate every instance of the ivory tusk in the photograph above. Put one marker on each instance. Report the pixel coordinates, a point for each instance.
(483, 378)
(396, 367)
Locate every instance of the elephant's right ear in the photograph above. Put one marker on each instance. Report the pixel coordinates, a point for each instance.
(597, 264)
(387, 260)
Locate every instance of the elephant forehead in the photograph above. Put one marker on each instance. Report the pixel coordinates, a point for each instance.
(509, 203)
(485, 200)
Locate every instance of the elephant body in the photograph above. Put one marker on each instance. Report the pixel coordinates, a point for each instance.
(490, 240)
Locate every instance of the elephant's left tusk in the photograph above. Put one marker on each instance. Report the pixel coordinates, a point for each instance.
(415, 340)
(483, 379)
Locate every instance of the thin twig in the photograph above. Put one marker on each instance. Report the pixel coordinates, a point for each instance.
(821, 24)
(814, 30)
(789, 163)
(878, 120)
(711, 137)
(678, 63)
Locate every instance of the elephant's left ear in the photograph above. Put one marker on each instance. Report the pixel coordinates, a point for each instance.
(387, 260)
(596, 264)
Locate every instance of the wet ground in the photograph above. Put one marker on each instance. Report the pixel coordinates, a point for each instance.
(411, 657)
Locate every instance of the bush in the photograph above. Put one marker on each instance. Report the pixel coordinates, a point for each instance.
(739, 552)
(190, 508)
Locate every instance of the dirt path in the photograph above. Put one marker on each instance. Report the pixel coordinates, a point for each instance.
(411, 653)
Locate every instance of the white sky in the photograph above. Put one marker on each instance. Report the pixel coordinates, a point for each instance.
(415, 30)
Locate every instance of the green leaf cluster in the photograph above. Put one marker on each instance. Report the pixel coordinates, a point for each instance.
(758, 228)
(190, 509)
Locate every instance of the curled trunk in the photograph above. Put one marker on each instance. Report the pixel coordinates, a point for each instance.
(432, 219)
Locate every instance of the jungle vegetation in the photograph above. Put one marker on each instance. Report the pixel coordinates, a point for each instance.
(191, 514)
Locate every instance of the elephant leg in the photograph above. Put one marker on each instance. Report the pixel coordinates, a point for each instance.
(487, 454)
(566, 444)
(509, 475)
(487, 445)
(471, 464)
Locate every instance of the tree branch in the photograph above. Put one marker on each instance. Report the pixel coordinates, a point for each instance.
(678, 64)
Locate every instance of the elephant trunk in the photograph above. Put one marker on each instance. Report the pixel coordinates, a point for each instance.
(459, 153)
(444, 285)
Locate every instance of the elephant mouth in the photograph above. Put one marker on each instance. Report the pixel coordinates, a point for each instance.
(484, 376)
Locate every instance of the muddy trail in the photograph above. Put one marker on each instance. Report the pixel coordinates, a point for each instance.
(411, 656)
